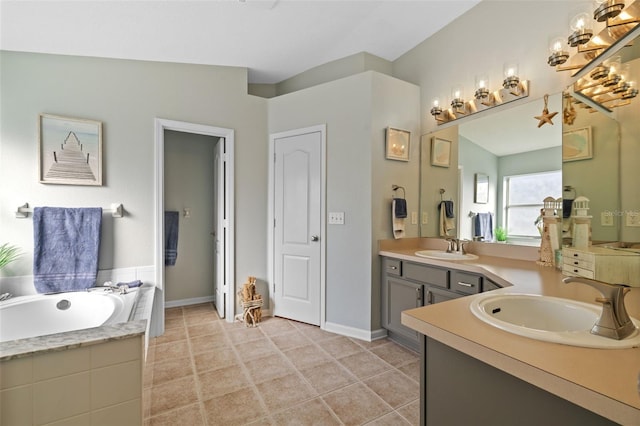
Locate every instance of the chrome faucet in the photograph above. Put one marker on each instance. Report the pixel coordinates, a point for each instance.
(614, 322)
(456, 245)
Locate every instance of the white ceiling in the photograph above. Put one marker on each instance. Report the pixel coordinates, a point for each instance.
(274, 39)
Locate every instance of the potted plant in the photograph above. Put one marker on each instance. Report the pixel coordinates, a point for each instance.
(501, 234)
(8, 254)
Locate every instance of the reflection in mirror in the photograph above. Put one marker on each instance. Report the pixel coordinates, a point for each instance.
(481, 192)
(508, 145)
(609, 175)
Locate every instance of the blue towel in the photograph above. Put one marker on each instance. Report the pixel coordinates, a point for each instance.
(484, 226)
(66, 246)
(171, 220)
(400, 208)
(131, 284)
(448, 208)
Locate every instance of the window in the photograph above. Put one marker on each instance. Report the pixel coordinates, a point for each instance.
(523, 195)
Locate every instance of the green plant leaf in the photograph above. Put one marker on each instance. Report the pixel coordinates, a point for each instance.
(8, 254)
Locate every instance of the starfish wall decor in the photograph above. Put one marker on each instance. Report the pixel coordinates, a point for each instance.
(546, 116)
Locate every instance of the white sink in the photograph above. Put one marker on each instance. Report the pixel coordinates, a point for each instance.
(550, 319)
(443, 255)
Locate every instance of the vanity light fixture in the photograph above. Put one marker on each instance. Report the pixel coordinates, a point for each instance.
(436, 109)
(581, 27)
(606, 9)
(457, 101)
(511, 78)
(558, 55)
(482, 89)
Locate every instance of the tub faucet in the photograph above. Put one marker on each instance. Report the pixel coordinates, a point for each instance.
(614, 322)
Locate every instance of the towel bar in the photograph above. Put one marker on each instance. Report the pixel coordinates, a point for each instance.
(116, 209)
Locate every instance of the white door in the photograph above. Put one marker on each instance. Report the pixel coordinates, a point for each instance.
(220, 234)
(297, 226)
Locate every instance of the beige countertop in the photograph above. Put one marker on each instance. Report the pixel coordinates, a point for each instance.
(605, 381)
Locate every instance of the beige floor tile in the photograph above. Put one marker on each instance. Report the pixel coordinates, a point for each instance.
(268, 367)
(371, 345)
(394, 387)
(265, 421)
(173, 313)
(395, 354)
(171, 335)
(306, 356)
(237, 408)
(274, 326)
(356, 404)
(212, 342)
(290, 340)
(411, 412)
(339, 347)
(171, 369)
(175, 322)
(255, 349)
(411, 369)
(284, 392)
(189, 415)
(242, 334)
(364, 364)
(222, 356)
(201, 317)
(313, 412)
(174, 394)
(222, 381)
(204, 329)
(177, 349)
(391, 419)
(314, 333)
(198, 309)
(328, 376)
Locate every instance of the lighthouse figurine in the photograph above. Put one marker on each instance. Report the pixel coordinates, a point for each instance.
(581, 236)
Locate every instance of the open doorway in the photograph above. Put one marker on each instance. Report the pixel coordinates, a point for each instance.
(223, 230)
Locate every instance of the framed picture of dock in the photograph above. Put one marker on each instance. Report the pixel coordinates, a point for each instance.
(69, 150)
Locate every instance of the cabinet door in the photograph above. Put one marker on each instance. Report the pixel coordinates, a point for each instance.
(435, 295)
(401, 295)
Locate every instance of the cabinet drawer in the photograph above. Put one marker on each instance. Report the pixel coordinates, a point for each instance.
(578, 263)
(571, 254)
(576, 271)
(426, 274)
(465, 283)
(393, 267)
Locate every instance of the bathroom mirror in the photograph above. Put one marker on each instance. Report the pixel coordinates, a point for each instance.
(481, 190)
(609, 179)
(501, 144)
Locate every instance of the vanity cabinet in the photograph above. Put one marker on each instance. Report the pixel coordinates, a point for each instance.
(408, 285)
(614, 266)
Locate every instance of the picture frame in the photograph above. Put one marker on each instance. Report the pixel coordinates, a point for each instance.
(440, 152)
(481, 189)
(397, 144)
(577, 144)
(69, 150)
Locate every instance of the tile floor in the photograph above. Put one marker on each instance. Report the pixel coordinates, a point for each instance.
(205, 371)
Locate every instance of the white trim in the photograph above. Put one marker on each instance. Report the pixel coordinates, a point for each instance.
(356, 333)
(187, 302)
(322, 128)
(160, 126)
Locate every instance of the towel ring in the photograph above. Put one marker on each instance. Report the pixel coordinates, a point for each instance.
(396, 187)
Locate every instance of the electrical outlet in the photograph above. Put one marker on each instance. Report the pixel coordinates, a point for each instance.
(336, 218)
(606, 219)
(425, 218)
(414, 218)
(633, 218)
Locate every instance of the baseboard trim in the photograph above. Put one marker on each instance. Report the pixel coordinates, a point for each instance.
(357, 333)
(187, 302)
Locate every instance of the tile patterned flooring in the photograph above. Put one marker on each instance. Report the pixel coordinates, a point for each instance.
(205, 371)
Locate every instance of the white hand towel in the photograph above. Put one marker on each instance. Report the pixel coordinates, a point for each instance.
(446, 224)
(397, 223)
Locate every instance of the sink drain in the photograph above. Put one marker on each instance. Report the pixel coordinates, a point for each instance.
(63, 305)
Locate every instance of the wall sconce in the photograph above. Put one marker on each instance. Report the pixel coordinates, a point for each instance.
(581, 27)
(558, 55)
(606, 9)
(613, 77)
(436, 109)
(457, 100)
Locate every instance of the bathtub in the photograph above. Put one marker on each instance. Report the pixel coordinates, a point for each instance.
(43, 314)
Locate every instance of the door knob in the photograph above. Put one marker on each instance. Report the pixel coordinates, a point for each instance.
(315, 238)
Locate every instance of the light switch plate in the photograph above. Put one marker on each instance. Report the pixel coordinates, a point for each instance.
(425, 218)
(336, 218)
(632, 218)
(414, 218)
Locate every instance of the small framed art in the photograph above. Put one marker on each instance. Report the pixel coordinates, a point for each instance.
(398, 144)
(440, 152)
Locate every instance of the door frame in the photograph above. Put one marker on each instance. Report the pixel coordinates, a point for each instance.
(322, 128)
(201, 129)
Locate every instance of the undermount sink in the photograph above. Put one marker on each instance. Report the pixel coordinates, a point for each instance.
(546, 318)
(443, 255)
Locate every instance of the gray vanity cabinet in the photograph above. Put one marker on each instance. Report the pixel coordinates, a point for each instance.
(408, 285)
